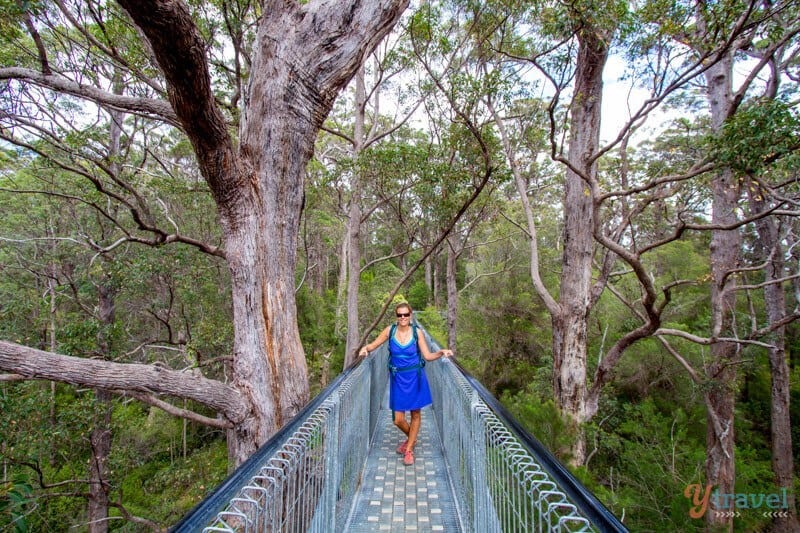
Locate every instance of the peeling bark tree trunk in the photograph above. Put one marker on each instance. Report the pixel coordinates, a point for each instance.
(724, 256)
(780, 394)
(570, 320)
(303, 56)
(269, 366)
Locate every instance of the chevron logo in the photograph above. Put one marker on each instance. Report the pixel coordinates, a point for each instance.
(776, 514)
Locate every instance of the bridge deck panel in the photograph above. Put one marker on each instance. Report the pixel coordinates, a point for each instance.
(398, 498)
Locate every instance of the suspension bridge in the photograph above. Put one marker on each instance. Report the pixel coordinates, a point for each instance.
(334, 468)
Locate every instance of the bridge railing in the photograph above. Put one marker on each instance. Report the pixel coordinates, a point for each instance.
(504, 478)
(306, 477)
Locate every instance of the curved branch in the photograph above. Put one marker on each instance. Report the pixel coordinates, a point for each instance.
(179, 412)
(130, 377)
(140, 106)
(135, 519)
(707, 341)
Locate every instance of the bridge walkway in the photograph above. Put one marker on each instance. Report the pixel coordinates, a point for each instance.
(334, 468)
(398, 498)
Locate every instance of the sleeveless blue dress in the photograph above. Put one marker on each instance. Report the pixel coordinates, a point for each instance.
(409, 387)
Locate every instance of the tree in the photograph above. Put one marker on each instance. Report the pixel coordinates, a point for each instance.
(302, 55)
(725, 249)
(369, 127)
(592, 31)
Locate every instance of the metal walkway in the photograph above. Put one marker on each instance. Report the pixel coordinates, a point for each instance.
(399, 498)
(334, 468)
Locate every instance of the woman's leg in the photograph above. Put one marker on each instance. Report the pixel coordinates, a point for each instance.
(400, 421)
(416, 422)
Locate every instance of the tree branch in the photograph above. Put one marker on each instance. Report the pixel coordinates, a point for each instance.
(178, 411)
(180, 51)
(131, 377)
(707, 341)
(147, 107)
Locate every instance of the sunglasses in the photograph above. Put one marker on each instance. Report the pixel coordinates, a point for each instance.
(403, 315)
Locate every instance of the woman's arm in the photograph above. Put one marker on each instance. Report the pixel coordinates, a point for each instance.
(425, 351)
(382, 337)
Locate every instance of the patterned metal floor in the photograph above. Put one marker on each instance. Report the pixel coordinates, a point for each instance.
(395, 497)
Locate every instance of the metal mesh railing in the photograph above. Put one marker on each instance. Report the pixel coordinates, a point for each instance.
(504, 479)
(306, 478)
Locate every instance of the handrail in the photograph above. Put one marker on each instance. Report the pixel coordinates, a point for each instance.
(597, 513)
(575, 492)
(202, 513)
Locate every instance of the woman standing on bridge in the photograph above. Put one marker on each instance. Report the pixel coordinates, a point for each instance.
(408, 387)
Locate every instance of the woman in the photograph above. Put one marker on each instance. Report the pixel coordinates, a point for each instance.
(409, 390)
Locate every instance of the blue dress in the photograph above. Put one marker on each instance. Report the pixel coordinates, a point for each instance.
(409, 387)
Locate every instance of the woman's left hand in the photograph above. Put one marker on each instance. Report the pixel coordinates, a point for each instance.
(447, 353)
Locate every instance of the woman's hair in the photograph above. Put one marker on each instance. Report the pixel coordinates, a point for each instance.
(404, 304)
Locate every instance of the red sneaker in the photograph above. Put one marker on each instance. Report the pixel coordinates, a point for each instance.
(402, 448)
(408, 458)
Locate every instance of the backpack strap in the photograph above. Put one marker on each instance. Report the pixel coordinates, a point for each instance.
(419, 366)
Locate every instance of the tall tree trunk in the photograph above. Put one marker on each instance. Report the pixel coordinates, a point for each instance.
(453, 251)
(354, 226)
(269, 366)
(340, 322)
(353, 278)
(780, 419)
(99, 486)
(303, 55)
(100, 438)
(429, 275)
(436, 281)
(724, 256)
(52, 344)
(260, 230)
(315, 263)
(570, 322)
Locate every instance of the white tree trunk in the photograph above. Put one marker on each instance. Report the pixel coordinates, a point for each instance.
(780, 390)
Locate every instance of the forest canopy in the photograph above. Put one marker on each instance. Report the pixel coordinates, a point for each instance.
(208, 207)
